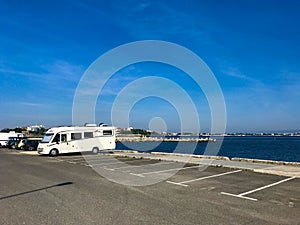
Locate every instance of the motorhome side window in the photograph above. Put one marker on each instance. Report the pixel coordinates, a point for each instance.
(75, 136)
(63, 137)
(88, 134)
(107, 132)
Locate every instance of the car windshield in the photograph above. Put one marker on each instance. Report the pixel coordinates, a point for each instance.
(47, 138)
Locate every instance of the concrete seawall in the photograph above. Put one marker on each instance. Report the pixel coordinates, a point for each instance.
(266, 161)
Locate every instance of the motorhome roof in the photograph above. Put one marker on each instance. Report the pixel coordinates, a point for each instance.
(77, 128)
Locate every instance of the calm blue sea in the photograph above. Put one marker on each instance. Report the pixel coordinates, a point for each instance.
(254, 147)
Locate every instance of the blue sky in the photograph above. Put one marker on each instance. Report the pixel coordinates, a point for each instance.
(252, 47)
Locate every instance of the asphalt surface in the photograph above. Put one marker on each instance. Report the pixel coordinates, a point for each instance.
(67, 190)
(288, 169)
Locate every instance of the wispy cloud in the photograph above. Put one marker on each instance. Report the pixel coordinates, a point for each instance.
(60, 70)
(236, 73)
(31, 104)
(20, 73)
(59, 78)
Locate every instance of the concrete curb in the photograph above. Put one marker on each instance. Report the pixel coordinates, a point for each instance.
(266, 161)
(126, 151)
(190, 155)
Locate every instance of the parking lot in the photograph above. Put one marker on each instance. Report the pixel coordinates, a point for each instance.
(190, 174)
(204, 194)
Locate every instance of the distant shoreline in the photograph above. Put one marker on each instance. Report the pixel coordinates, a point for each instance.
(163, 139)
(189, 138)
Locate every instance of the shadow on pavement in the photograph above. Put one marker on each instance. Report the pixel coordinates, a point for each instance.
(40, 189)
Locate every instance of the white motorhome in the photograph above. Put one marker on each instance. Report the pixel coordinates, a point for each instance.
(4, 137)
(88, 138)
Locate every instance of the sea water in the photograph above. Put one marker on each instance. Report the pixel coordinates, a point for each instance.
(279, 148)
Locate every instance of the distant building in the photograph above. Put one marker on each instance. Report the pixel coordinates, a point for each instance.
(35, 128)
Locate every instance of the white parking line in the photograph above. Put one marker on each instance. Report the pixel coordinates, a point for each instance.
(242, 195)
(71, 162)
(171, 182)
(142, 166)
(163, 171)
(183, 183)
(118, 162)
(83, 156)
(82, 160)
(102, 160)
(94, 161)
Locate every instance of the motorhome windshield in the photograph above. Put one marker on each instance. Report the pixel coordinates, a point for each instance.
(47, 138)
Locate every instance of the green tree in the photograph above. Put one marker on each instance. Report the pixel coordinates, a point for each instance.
(5, 130)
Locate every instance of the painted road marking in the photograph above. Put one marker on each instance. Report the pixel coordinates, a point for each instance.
(92, 161)
(183, 183)
(87, 157)
(76, 156)
(119, 162)
(163, 171)
(242, 195)
(82, 160)
(138, 175)
(107, 163)
(102, 160)
(143, 166)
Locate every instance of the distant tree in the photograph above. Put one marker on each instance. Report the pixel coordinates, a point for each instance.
(19, 130)
(38, 132)
(140, 131)
(5, 130)
(42, 131)
(125, 132)
(135, 131)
